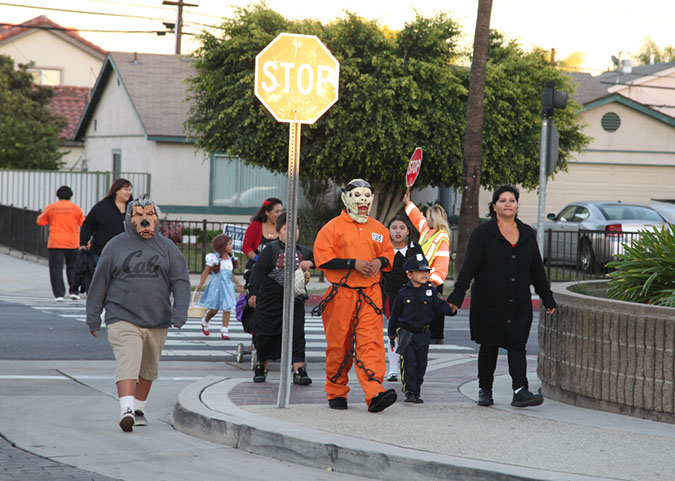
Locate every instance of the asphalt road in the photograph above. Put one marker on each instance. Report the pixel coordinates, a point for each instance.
(38, 328)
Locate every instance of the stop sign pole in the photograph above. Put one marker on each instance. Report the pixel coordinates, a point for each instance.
(296, 79)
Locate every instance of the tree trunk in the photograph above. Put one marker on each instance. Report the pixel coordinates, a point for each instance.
(473, 136)
(387, 201)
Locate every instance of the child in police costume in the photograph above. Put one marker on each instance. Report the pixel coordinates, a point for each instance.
(414, 308)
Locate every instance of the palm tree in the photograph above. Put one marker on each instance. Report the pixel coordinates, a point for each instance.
(473, 136)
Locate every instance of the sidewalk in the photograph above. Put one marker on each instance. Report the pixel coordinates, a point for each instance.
(447, 437)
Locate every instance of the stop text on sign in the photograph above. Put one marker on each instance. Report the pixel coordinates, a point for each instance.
(304, 77)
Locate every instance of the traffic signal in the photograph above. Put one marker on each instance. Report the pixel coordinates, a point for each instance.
(552, 99)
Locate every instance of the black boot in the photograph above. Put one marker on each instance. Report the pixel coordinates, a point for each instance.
(409, 397)
(485, 397)
(525, 398)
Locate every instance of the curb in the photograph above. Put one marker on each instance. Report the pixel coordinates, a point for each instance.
(238, 428)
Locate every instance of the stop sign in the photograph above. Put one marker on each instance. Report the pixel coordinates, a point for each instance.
(296, 78)
(413, 167)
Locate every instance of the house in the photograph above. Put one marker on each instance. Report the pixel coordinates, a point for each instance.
(63, 60)
(631, 119)
(134, 122)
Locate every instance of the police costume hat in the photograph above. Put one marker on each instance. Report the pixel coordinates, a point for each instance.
(416, 263)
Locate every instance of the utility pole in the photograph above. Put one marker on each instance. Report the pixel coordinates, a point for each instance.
(179, 19)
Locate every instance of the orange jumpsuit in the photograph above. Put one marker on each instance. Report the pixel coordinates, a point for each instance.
(344, 238)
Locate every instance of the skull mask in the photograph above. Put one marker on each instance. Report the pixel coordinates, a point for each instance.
(358, 200)
(144, 220)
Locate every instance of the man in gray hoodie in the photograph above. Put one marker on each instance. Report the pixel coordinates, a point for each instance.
(135, 277)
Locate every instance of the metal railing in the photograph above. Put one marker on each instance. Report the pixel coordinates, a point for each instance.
(583, 254)
(19, 231)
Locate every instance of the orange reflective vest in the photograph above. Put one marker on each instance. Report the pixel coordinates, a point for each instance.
(435, 245)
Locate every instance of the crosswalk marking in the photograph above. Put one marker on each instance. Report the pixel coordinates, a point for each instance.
(190, 343)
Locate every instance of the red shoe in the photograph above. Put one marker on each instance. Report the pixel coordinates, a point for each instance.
(206, 330)
(225, 333)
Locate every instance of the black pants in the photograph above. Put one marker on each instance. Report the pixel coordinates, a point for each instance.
(56, 258)
(437, 326)
(414, 363)
(487, 363)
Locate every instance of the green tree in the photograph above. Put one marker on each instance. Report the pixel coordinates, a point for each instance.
(649, 48)
(398, 90)
(28, 130)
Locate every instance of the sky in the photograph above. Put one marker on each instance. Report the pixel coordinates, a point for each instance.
(597, 28)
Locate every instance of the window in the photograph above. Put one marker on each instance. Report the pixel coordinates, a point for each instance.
(238, 185)
(117, 163)
(610, 122)
(45, 76)
(581, 215)
(567, 214)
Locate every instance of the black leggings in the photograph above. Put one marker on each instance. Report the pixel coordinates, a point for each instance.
(487, 363)
(437, 325)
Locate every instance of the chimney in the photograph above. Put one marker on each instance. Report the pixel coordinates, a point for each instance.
(626, 66)
(135, 60)
(651, 59)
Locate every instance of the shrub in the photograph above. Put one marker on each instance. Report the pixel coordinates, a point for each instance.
(646, 270)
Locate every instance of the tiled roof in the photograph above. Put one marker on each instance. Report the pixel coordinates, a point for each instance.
(588, 88)
(43, 21)
(69, 103)
(156, 85)
(617, 76)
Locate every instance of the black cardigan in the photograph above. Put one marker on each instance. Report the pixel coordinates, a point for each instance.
(104, 221)
(501, 305)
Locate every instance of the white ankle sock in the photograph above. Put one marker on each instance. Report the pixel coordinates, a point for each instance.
(126, 402)
(139, 405)
(225, 329)
(205, 323)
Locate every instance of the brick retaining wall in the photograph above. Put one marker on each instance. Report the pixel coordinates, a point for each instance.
(610, 355)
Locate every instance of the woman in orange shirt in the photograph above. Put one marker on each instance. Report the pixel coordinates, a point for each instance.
(64, 219)
(435, 241)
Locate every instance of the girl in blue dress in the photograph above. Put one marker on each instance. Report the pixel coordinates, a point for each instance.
(219, 294)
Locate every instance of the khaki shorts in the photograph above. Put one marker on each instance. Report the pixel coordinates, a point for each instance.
(137, 350)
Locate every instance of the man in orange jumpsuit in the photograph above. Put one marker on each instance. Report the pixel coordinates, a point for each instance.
(352, 249)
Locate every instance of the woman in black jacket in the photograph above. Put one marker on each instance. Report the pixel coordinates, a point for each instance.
(106, 219)
(400, 231)
(503, 260)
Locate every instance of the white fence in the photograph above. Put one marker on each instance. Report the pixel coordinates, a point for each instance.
(35, 189)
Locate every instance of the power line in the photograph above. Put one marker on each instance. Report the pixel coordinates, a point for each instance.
(637, 85)
(64, 29)
(108, 14)
(164, 9)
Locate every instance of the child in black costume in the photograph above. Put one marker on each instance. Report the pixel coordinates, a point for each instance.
(401, 233)
(414, 309)
(266, 294)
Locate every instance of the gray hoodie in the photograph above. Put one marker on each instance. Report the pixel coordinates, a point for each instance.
(134, 280)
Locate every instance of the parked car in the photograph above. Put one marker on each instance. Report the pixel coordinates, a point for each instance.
(664, 207)
(590, 234)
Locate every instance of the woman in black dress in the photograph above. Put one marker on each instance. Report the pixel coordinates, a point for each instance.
(503, 260)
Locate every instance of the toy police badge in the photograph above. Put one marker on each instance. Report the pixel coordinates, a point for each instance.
(428, 293)
(377, 237)
(420, 257)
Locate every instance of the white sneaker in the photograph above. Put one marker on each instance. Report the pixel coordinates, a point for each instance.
(140, 418)
(59, 299)
(127, 421)
(74, 297)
